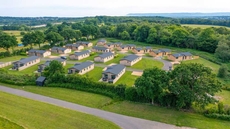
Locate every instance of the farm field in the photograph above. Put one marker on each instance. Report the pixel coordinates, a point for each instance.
(202, 26)
(127, 79)
(147, 63)
(140, 110)
(30, 114)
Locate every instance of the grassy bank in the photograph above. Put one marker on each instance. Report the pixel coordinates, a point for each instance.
(37, 115)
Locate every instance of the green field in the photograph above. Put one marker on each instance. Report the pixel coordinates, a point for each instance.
(16, 34)
(127, 79)
(37, 115)
(147, 63)
(116, 60)
(13, 58)
(145, 111)
(170, 116)
(7, 124)
(213, 66)
(95, 74)
(202, 26)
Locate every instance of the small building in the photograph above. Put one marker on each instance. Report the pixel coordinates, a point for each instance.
(41, 67)
(180, 56)
(104, 57)
(40, 81)
(117, 44)
(101, 42)
(81, 68)
(113, 73)
(131, 46)
(100, 49)
(123, 48)
(147, 49)
(85, 44)
(39, 53)
(160, 52)
(80, 55)
(110, 46)
(60, 50)
(74, 46)
(4, 64)
(138, 50)
(25, 63)
(130, 60)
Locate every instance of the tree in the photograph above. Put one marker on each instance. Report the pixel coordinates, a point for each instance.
(28, 39)
(68, 34)
(39, 37)
(124, 35)
(53, 38)
(152, 83)
(55, 71)
(223, 71)
(152, 38)
(223, 50)
(7, 41)
(78, 34)
(180, 37)
(193, 83)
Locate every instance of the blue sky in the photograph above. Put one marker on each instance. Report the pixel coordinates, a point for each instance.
(79, 8)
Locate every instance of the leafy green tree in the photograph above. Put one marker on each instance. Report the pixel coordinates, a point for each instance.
(180, 37)
(223, 71)
(54, 72)
(152, 83)
(39, 37)
(223, 50)
(142, 33)
(78, 35)
(124, 35)
(193, 83)
(7, 41)
(53, 37)
(28, 39)
(68, 34)
(207, 40)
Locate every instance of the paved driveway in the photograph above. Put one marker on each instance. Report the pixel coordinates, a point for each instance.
(124, 122)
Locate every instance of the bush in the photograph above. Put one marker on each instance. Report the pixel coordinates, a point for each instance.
(218, 116)
(223, 71)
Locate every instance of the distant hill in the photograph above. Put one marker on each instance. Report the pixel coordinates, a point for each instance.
(181, 15)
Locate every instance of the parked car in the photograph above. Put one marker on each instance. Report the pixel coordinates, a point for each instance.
(63, 57)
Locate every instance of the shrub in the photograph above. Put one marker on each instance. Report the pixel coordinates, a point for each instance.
(218, 116)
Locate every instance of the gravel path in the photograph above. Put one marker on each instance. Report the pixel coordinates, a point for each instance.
(124, 122)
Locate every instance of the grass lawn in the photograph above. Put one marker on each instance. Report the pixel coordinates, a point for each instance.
(67, 66)
(145, 111)
(7, 124)
(34, 114)
(116, 59)
(225, 96)
(170, 116)
(147, 63)
(95, 74)
(213, 66)
(202, 26)
(13, 58)
(55, 54)
(127, 79)
(15, 33)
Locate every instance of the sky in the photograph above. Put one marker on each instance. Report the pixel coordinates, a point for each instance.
(80, 8)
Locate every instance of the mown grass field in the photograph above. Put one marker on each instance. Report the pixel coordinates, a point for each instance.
(95, 74)
(127, 79)
(37, 115)
(147, 63)
(16, 34)
(116, 59)
(7, 124)
(13, 58)
(140, 110)
(202, 26)
(213, 66)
